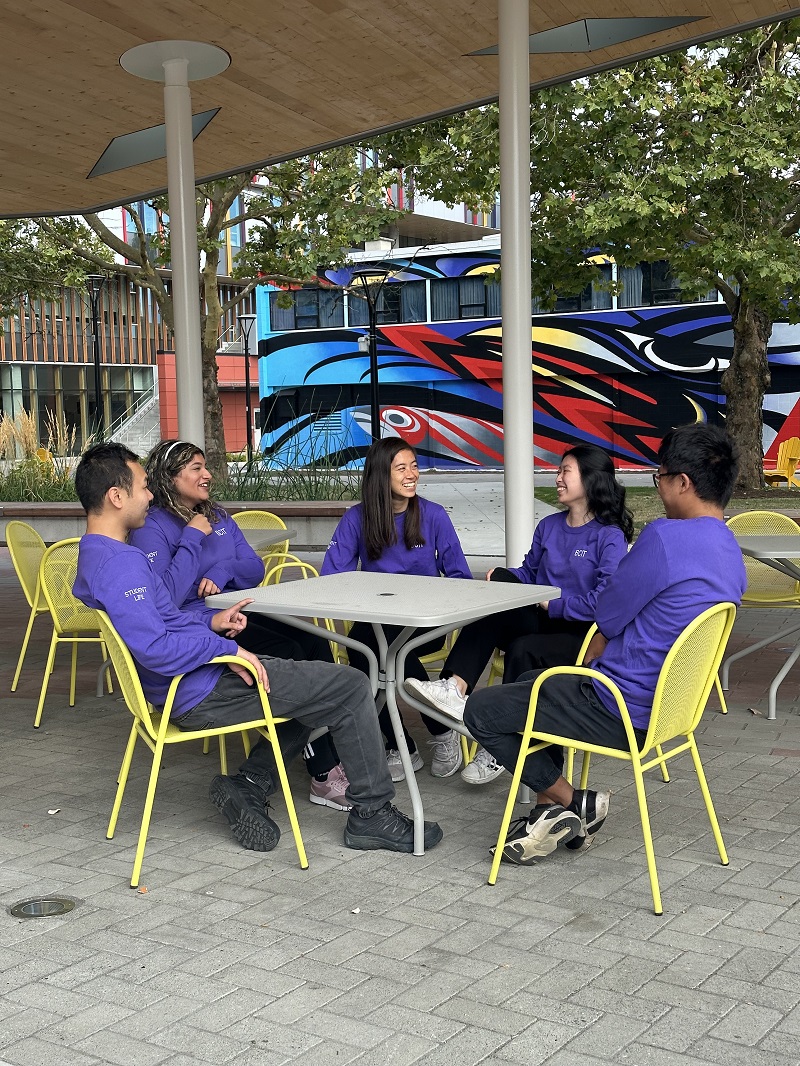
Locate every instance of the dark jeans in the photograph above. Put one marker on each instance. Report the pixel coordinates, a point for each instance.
(364, 632)
(476, 642)
(268, 636)
(312, 694)
(568, 706)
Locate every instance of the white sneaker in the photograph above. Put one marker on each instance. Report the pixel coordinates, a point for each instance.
(446, 753)
(396, 767)
(482, 769)
(442, 695)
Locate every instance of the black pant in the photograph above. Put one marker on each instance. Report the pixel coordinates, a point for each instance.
(476, 642)
(268, 636)
(363, 632)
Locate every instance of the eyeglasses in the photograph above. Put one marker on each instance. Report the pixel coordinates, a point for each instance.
(658, 477)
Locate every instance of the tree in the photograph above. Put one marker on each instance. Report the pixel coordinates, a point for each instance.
(30, 266)
(299, 215)
(690, 157)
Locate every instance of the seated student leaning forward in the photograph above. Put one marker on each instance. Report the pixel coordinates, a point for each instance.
(679, 567)
(117, 578)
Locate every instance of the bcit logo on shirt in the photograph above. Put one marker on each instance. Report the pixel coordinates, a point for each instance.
(136, 594)
(580, 552)
(220, 532)
(152, 555)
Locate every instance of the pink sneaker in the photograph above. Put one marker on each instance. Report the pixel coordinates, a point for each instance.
(331, 793)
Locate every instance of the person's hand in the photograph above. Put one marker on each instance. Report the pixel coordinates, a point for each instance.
(231, 621)
(202, 523)
(245, 674)
(597, 645)
(207, 588)
(489, 575)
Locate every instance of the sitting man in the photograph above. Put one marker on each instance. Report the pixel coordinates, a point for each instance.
(115, 577)
(678, 567)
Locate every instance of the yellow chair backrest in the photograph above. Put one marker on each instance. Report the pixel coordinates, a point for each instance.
(57, 572)
(687, 675)
(127, 674)
(26, 548)
(263, 520)
(765, 584)
(785, 463)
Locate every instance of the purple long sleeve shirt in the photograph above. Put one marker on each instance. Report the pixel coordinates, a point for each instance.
(182, 556)
(440, 554)
(677, 569)
(577, 560)
(116, 578)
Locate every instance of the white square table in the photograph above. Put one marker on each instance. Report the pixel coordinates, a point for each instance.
(439, 605)
(261, 539)
(782, 553)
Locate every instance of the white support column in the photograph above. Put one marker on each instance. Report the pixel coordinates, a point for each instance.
(176, 63)
(183, 250)
(515, 200)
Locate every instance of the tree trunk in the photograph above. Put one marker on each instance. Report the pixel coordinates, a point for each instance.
(216, 456)
(744, 384)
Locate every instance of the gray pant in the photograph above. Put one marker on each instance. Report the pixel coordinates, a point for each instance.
(313, 694)
(568, 706)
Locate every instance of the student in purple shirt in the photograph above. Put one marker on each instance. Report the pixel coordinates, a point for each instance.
(679, 566)
(577, 551)
(117, 578)
(197, 550)
(394, 531)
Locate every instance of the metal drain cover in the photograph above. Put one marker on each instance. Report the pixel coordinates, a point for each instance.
(42, 908)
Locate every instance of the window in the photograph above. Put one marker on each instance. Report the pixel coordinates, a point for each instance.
(469, 297)
(310, 309)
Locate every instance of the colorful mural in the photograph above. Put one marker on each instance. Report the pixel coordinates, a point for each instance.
(617, 378)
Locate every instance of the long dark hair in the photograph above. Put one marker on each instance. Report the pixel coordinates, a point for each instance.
(164, 463)
(605, 497)
(377, 511)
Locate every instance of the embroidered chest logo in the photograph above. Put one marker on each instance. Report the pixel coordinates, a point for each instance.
(136, 594)
(580, 552)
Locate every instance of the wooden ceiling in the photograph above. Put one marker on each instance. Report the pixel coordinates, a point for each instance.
(303, 74)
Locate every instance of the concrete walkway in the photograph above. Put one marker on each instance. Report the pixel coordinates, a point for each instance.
(230, 956)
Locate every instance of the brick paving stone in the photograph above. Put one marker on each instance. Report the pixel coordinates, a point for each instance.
(748, 1024)
(36, 1052)
(609, 1035)
(401, 1049)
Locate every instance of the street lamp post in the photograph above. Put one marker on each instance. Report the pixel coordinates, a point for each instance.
(95, 283)
(247, 326)
(372, 280)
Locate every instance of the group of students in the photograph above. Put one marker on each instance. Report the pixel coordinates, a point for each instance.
(150, 565)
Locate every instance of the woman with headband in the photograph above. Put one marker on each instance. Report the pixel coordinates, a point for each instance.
(198, 550)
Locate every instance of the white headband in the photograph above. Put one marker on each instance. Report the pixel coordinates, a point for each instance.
(174, 444)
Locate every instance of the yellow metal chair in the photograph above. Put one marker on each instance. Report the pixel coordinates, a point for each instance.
(157, 731)
(73, 623)
(266, 520)
(684, 684)
(766, 587)
(26, 548)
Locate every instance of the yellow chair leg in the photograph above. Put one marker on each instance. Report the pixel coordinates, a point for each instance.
(663, 761)
(712, 814)
(644, 815)
(105, 658)
(21, 659)
(246, 743)
(122, 779)
(287, 796)
(206, 745)
(148, 810)
(570, 765)
(51, 655)
(584, 779)
(465, 753)
(223, 756)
